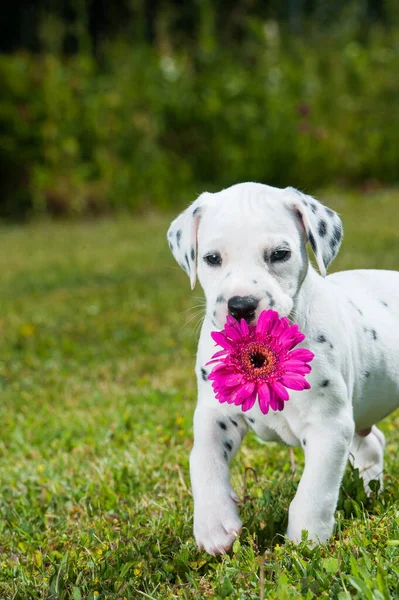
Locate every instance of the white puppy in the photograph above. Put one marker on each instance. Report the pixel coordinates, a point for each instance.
(247, 245)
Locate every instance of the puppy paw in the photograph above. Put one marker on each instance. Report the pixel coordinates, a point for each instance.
(216, 523)
(317, 533)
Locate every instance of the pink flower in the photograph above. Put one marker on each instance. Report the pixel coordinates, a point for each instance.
(259, 362)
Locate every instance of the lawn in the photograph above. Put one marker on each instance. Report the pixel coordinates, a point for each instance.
(97, 393)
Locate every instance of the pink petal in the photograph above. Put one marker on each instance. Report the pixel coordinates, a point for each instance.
(297, 366)
(294, 382)
(244, 327)
(264, 398)
(230, 320)
(280, 390)
(289, 342)
(220, 353)
(282, 326)
(229, 395)
(274, 321)
(220, 371)
(233, 331)
(221, 339)
(223, 366)
(285, 322)
(247, 389)
(265, 321)
(238, 399)
(215, 361)
(249, 402)
(301, 354)
(276, 403)
(231, 381)
(221, 398)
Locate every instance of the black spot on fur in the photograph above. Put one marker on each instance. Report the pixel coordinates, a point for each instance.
(329, 212)
(222, 425)
(325, 383)
(336, 238)
(322, 228)
(229, 445)
(312, 242)
(268, 294)
(331, 346)
(170, 234)
(367, 374)
(313, 207)
(220, 299)
(337, 232)
(234, 422)
(251, 420)
(321, 339)
(384, 303)
(214, 323)
(304, 442)
(187, 261)
(196, 210)
(373, 334)
(214, 313)
(171, 246)
(178, 238)
(192, 253)
(228, 275)
(254, 281)
(204, 374)
(226, 458)
(271, 302)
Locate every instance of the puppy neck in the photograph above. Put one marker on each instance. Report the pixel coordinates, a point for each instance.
(309, 291)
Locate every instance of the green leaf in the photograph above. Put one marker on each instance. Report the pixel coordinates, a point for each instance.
(382, 584)
(330, 564)
(361, 587)
(76, 595)
(354, 566)
(38, 558)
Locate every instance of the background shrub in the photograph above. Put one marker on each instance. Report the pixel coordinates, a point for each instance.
(140, 124)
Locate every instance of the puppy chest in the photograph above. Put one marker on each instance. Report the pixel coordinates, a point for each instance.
(273, 427)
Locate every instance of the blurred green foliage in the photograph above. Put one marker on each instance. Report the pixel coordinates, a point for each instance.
(144, 126)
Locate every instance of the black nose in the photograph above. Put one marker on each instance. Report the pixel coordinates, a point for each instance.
(242, 307)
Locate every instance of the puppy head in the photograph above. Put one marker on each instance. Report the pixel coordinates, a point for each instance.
(247, 244)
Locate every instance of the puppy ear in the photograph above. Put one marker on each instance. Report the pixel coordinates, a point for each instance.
(182, 239)
(322, 225)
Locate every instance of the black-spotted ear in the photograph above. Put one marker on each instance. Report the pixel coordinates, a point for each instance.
(322, 225)
(182, 238)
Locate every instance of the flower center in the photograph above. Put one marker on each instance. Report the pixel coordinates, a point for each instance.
(258, 361)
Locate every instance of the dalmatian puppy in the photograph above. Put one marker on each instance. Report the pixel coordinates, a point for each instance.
(247, 246)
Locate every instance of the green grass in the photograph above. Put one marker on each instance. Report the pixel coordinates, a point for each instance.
(97, 395)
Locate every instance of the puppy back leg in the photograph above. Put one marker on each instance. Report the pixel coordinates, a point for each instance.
(216, 441)
(326, 448)
(367, 455)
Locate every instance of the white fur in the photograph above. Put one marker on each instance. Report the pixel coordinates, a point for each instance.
(351, 323)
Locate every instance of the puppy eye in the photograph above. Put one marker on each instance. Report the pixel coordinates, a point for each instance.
(280, 255)
(214, 259)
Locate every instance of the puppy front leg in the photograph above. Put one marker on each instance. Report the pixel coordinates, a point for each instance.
(326, 454)
(216, 440)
